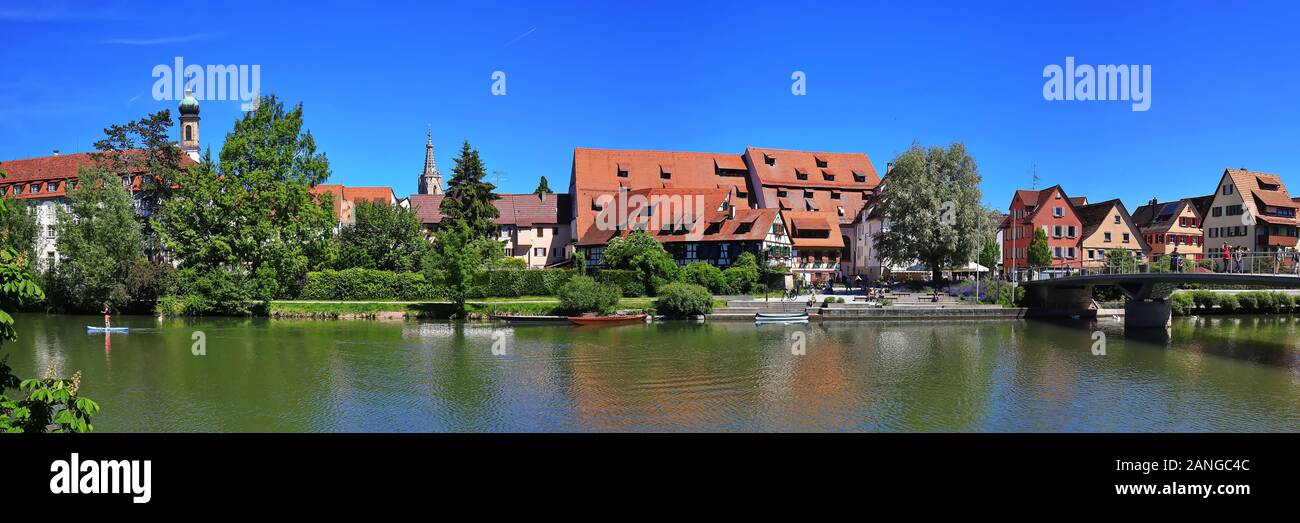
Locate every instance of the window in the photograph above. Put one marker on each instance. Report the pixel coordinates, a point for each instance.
(72, 184)
(1092, 254)
(1124, 238)
(800, 174)
(859, 177)
(665, 172)
(821, 163)
(539, 252)
(541, 233)
(1071, 231)
(1056, 252)
(1070, 252)
(52, 186)
(18, 189)
(1216, 212)
(828, 176)
(807, 194)
(1056, 231)
(1106, 237)
(1234, 210)
(622, 172)
(770, 160)
(781, 193)
(1116, 218)
(4, 190)
(1058, 211)
(1227, 189)
(36, 187)
(189, 133)
(505, 231)
(835, 195)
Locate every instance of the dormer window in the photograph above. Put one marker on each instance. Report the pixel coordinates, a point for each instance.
(769, 159)
(859, 177)
(828, 175)
(36, 187)
(665, 172)
(800, 174)
(835, 195)
(807, 194)
(4, 190)
(18, 189)
(72, 184)
(52, 186)
(821, 163)
(622, 170)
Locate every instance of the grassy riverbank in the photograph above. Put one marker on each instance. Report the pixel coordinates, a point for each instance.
(477, 309)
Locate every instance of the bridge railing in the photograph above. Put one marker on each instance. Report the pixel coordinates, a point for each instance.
(1255, 262)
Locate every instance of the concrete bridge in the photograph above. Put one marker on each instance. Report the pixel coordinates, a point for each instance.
(1146, 294)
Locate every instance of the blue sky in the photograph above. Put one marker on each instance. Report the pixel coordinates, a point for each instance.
(691, 76)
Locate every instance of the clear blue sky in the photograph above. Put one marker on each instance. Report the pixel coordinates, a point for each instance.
(691, 76)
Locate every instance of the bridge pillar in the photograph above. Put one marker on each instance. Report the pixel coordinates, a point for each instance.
(1147, 313)
(1060, 300)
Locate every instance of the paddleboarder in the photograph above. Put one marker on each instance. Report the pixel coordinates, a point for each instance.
(108, 318)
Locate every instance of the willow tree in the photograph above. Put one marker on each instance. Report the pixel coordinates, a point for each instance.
(931, 199)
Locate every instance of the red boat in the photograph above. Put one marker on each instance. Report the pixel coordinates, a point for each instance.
(616, 319)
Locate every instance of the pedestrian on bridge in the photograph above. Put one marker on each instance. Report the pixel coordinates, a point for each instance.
(1227, 258)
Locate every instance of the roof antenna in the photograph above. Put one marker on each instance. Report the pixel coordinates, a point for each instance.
(1033, 174)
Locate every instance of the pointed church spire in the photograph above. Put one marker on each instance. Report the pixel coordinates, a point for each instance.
(430, 178)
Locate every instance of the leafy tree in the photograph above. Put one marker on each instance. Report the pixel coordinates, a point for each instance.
(932, 200)
(469, 198)
(100, 243)
(643, 253)
(19, 229)
(543, 187)
(453, 261)
(391, 238)
(742, 276)
(252, 215)
(50, 402)
(707, 276)
(1039, 255)
(144, 147)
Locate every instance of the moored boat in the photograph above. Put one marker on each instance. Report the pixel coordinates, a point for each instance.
(766, 317)
(614, 319)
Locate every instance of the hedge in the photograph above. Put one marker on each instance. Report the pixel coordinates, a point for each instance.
(1207, 302)
(629, 282)
(366, 284)
(679, 300)
(515, 283)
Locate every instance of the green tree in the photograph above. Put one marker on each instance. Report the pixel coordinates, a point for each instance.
(582, 294)
(19, 228)
(643, 253)
(50, 402)
(469, 198)
(144, 148)
(1039, 255)
(932, 200)
(707, 276)
(99, 244)
(543, 187)
(252, 216)
(391, 238)
(453, 261)
(742, 275)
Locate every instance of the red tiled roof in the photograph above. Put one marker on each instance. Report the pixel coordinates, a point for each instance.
(524, 210)
(47, 169)
(815, 222)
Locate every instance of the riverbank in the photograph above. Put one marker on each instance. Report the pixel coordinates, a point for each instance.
(396, 310)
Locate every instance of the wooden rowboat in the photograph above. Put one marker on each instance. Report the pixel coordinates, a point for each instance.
(616, 319)
(764, 317)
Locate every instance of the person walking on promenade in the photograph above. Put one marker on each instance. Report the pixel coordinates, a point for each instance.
(1227, 258)
(1175, 261)
(1277, 261)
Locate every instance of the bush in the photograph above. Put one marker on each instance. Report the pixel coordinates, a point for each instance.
(366, 284)
(680, 300)
(582, 294)
(197, 293)
(1181, 303)
(1204, 300)
(1247, 301)
(514, 283)
(707, 276)
(742, 277)
(629, 282)
(1227, 302)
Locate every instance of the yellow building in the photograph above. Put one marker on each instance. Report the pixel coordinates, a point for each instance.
(1107, 225)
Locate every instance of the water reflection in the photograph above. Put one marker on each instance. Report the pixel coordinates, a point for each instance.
(1203, 374)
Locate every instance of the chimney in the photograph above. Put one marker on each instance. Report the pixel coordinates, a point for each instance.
(731, 212)
(1153, 201)
(889, 167)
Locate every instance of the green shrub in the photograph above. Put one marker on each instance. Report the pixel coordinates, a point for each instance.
(742, 277)
(219, 292)
(707, 276)
(1227, 302)
(683, 299)
(582, 294)
(365, 284)
(1181, 303)
(1248, 301)
(629, 282)
(1204, 300)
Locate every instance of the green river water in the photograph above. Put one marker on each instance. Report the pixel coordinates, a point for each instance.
(1238, 374)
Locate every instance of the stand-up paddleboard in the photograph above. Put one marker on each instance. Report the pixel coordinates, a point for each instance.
(120, 330)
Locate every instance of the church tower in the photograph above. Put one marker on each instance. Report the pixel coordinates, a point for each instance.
(189, 110)
(430, 179)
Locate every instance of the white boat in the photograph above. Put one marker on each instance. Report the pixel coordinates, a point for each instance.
(765, 317)
(122, 330)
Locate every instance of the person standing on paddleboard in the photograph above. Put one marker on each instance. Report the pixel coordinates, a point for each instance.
(108, 319)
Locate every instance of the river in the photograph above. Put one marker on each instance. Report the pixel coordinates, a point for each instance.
(1237, 374)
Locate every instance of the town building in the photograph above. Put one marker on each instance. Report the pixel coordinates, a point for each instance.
(44, 182)
(1050, 210)
(1171, 225)
(347, 198)
(430, 179)
(534, 228)
(822, 192)
(1250, 210)
(1107, 225)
